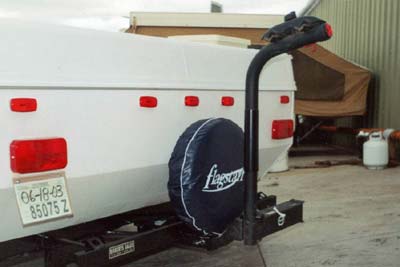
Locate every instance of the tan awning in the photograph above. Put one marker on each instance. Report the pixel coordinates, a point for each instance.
(328, 85)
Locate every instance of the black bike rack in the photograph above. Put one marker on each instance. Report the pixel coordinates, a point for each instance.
(294, 33)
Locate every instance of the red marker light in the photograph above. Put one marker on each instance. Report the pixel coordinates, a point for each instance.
(148, 101)
(282, 129)
(285, 99)
(227, 101)
(192, 101)
(41, 155)
(328, 30)
(23, 104)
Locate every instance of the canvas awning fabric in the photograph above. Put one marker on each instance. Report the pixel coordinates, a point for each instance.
(328, 85)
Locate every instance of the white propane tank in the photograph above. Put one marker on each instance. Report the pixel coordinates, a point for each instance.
(376, 152)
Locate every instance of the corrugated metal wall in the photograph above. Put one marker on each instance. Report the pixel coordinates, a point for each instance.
(367, 32)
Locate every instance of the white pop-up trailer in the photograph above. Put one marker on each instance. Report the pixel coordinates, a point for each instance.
(97, 91)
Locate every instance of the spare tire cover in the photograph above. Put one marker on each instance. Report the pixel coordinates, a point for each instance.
(206, 175)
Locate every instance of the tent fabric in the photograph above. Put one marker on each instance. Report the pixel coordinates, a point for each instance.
(336, 88)
(322, 76)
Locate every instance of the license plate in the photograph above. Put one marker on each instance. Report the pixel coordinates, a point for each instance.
(42, 199)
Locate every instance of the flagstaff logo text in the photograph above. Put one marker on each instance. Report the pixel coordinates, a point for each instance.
(221, 181)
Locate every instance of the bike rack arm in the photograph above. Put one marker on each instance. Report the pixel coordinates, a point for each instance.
(290, 35)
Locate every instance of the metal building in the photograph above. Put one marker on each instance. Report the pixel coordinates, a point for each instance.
(367, 32)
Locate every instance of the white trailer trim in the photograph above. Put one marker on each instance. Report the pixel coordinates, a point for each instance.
(222, 20)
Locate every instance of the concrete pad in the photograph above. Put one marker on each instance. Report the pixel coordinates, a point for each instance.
(234, 255)
(352, 217)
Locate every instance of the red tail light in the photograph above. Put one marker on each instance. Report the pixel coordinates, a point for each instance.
(192, 101)
(28, 156)
(227, 101)
(148, 101)
(282, 129)
(23, 104)
(285, 99)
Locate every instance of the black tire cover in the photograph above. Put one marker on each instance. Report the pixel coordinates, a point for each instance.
(206, 175)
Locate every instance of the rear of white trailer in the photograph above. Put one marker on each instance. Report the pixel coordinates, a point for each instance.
(89, 119)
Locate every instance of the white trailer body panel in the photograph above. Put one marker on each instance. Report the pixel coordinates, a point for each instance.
(87, 85)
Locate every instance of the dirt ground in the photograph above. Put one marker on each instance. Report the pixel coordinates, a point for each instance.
(351, 214)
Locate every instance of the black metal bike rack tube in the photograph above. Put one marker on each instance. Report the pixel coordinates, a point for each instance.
(315, 31)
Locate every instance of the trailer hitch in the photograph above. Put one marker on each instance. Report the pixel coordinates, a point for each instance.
(115, 247)
(294, 33)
